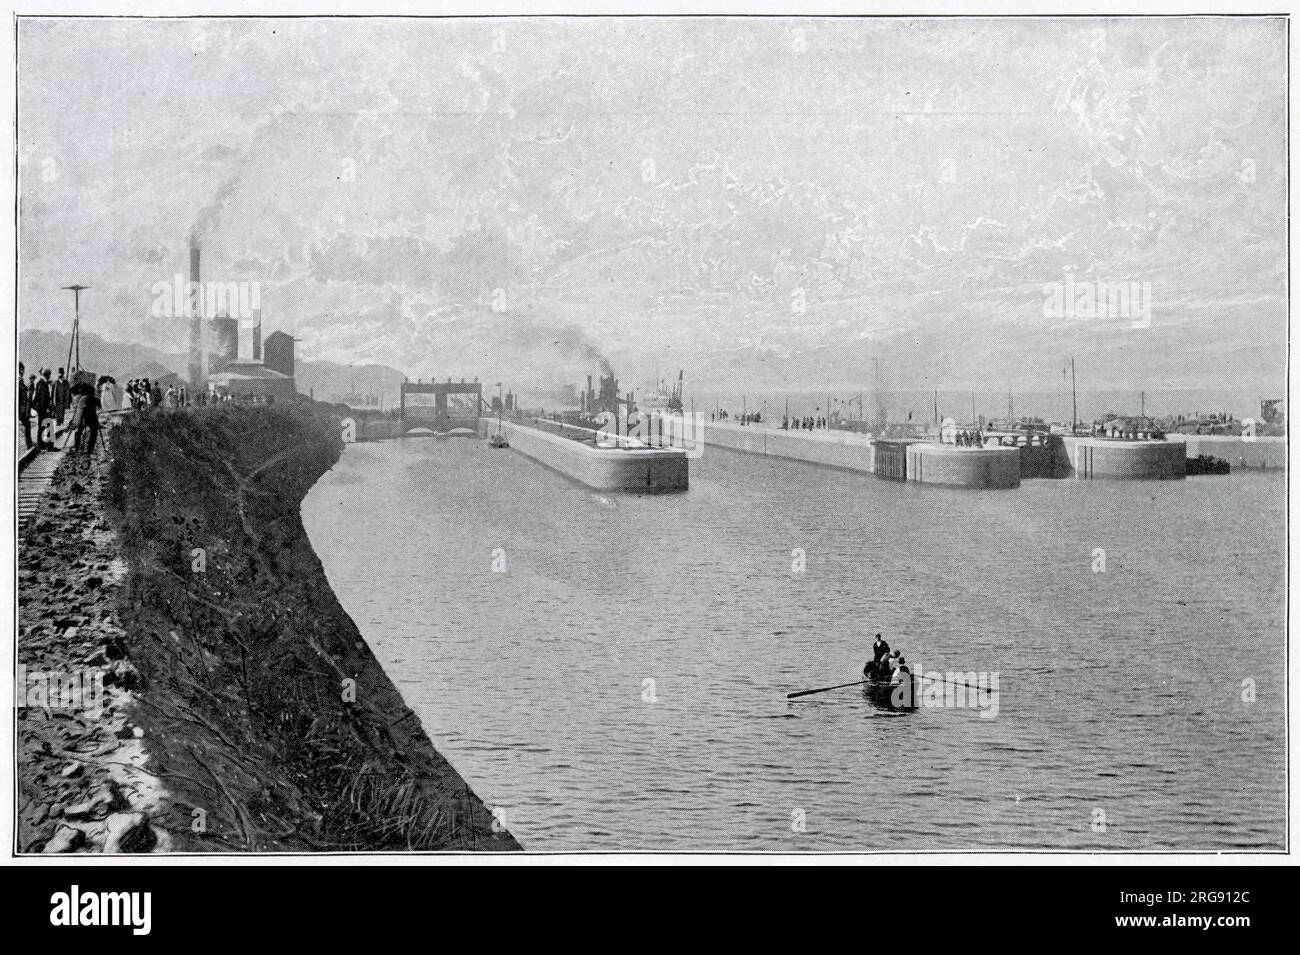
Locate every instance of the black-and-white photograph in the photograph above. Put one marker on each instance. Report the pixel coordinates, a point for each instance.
(588, 435)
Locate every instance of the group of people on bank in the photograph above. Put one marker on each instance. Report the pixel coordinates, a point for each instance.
(45, 401)
(50, 400)
(143, 394)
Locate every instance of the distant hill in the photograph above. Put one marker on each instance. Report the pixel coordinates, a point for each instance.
(42, 349)
(327, 381)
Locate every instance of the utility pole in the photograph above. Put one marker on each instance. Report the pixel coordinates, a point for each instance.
(1074, 393)
(876, 362)
(75, 344)
(972, 409)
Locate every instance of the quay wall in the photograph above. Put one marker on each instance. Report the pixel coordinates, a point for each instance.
(927, 463)
(1257, 453)
(646, 470)
(991, 467)
(852, 452)
(1089, 458)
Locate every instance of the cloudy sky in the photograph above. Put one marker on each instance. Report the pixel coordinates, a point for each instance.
(766, 202)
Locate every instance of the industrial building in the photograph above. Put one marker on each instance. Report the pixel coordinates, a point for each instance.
(214, 360)
(593, 403)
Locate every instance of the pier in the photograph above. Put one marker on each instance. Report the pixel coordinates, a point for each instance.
(1083, 457)
(921, 462)
(1252, 453)
(1092, 458)
(603, 462)
(993, 468)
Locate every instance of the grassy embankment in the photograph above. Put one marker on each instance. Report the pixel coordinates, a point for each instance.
(248, 662)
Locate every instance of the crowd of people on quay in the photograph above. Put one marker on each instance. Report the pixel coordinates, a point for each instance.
(722, 414)
(806, 423)
(788, 422)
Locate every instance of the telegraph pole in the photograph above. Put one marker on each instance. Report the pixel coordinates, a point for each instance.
(75, 344)
(876, 362)
(1074, 393)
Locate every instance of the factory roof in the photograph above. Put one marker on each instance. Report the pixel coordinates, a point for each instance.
(247, 371)
(154, 372)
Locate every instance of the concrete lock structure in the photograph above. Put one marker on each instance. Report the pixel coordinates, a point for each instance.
(627, 468)
(923, 462)
(989, 468)
(836, 449)
(1113, 459)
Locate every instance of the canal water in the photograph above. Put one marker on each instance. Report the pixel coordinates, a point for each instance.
(610, 671)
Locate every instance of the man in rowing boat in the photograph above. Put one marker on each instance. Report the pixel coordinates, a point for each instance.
(880, 648)
(875, 670)
(901, 687)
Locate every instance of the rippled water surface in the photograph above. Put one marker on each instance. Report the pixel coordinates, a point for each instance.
(1120, 691)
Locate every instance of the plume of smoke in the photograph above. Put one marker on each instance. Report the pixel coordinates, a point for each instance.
(567, 338)
(209, 217)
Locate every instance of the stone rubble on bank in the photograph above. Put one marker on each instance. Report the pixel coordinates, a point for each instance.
(81, 780)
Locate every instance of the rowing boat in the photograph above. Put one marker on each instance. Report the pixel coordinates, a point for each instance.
(891, 696)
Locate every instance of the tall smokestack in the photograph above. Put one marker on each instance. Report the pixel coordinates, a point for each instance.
(195, 306)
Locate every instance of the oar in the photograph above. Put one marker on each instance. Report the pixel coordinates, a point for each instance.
(984, 689)
(838, 686)
(924, 676)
